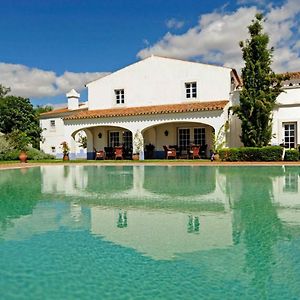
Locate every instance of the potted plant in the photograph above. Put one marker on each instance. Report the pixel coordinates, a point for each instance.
(19, 141)
(218, 142)
(65, 149)
(137, 145)
(150, 150)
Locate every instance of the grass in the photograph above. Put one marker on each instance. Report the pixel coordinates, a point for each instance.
(56, 161)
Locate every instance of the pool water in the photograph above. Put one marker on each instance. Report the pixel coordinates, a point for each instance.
(150, 232)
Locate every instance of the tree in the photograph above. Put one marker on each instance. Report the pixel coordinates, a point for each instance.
(42, 109)
(261, 87)
(3, 91)
(17, 115)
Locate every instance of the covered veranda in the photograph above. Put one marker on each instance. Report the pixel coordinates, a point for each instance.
(146, 132)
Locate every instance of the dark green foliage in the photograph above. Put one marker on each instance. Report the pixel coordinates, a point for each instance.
(17, 115)
(291, 155)
(270, 153)
(261, 87)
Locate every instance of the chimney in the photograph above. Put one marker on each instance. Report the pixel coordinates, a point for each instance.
(73, 99)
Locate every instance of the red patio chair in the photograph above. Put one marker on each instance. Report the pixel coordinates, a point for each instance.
(99, 154)
(119, 152)
(195, 152)
(169, 152)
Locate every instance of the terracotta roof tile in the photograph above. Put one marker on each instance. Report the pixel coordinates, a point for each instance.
(148, 110)
(60, 111)
(293, 75)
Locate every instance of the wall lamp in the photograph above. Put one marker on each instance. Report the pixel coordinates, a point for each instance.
(100, 135)
(166, 133)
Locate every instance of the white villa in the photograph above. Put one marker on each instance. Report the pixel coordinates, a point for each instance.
(162, 101)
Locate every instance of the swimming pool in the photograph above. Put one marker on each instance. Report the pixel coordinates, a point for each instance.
(150, 232)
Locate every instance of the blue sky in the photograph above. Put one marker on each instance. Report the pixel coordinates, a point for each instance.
(48, 47)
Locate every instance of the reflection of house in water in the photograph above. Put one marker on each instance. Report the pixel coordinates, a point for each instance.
(162, 234)
(143, 224)
(286, 190)
(115, 186)
(66, 180)
(26, 216)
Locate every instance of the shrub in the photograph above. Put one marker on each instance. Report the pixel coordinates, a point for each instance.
(12, 154)
(291, 155)
(230, 154)
(35, 154)
(269, 153)
(32, 153)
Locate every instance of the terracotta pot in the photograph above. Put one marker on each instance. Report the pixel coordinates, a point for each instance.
(23, 157)
(135, 156)
(217, 157)
(66, 157)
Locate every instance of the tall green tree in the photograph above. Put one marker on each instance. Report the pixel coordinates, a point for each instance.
(17, 115)
(261, 87)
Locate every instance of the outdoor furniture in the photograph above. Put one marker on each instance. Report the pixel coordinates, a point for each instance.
(203, 150)
(169, 152)
(119, 151)
(195, 152)
(127, 153)
(109, 152)
(99, 154)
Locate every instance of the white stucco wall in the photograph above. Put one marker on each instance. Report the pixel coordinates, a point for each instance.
(287, 111)
(157, 81)
(52, 136)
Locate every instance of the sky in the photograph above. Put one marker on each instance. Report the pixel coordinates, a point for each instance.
(51, 46)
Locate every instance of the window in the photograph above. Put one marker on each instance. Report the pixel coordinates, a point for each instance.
(52, 125)
(289, 135)
(127, 139)
(114, 138)
(184, 138)
(191, 89)
(199, 136)
(119, 96)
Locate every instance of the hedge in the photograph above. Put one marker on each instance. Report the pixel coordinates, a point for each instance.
(291, 155)
(269, 153)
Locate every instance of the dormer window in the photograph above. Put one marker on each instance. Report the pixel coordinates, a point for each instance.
(119, 96)
(191, 89)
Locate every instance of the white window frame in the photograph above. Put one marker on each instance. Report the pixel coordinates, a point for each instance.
(120, 96)
(192, 135)
(112, 140)
(188, 140)
(191, 90)
(287, 136)
(52, 125)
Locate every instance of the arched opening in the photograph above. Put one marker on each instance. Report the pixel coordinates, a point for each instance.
(106, 139)
(178, 135)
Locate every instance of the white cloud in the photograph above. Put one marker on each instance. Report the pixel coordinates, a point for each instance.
(216, 36)
(173, 23)
(37, 83)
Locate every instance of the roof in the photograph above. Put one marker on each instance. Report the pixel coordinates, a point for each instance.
(293, 75)
(59, 111)
(149, 110)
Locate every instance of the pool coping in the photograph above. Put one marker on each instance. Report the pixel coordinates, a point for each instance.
(19, 165)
